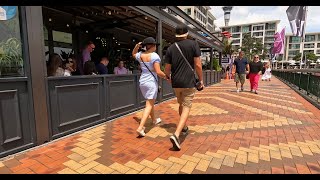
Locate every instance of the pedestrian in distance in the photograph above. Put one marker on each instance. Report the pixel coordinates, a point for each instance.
(267, 74)
(256, 67)
(241, 69)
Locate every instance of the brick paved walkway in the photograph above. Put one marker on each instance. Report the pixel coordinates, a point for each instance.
(276, 131)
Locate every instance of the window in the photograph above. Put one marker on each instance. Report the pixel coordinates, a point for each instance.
(294, 46)
(11, 58)
(318, 51)
(235, 35)
(308, 51)
(270, 33)
(310, 45)
(245, 29)
(257, 34)
(210, 21)
(271, 26)
(258, 28)
(268, 39)
(319, 38)
(294, 39)
(310, 38)
(235, 41)
(235, 29)
(188, 11)
(318, 45)
(293, 53)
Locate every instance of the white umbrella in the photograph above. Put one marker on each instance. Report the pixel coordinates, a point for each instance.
(313, 63)
(318, 60)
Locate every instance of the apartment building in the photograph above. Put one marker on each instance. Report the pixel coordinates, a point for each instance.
(201, 14)
(293, 45)
(261, 30)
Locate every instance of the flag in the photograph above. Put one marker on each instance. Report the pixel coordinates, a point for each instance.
(278, 46)
(297, 18)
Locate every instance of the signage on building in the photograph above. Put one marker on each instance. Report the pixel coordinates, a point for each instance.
(62, 37)
(225, 60)
(7, 12)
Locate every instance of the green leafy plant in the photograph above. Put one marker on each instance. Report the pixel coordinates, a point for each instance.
(215, 65)
(10, 56)
(252, 46)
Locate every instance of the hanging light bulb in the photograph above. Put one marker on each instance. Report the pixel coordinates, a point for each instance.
(145, 17)
(109, 12)
(67, 25)
(113, 37)
(50, 19)
(87, 31)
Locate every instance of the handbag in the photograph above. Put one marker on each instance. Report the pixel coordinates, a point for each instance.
(197, 82)
(159, 87)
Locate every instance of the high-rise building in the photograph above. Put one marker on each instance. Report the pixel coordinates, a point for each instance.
(201, 14)
(293, 45)
(262, 30)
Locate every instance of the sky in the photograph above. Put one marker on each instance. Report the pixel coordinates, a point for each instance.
(249, 14)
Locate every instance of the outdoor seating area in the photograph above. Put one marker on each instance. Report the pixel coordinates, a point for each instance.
(47, 104)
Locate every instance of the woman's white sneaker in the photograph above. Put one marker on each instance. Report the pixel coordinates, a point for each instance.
(158, 121)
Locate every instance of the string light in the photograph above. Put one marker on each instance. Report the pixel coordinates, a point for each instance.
(145, 17)
(87, 31)
(67, 25)
(109, 12)
(50, 19)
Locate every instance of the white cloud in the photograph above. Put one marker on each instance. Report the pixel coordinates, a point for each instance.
(251, 14)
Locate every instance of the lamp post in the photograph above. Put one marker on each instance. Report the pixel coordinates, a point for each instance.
(227, 12)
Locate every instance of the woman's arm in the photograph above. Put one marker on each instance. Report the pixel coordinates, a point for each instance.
(160, 73)
(135, 49)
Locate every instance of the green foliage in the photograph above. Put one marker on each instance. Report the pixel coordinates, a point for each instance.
(297, 57)
(311, 56)
(10, 56)
(227, 48)
(253, 44)
(215, 65)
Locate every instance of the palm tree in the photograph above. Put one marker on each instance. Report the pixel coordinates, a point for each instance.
(228, 49)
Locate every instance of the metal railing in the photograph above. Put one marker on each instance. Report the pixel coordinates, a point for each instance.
(307, 81)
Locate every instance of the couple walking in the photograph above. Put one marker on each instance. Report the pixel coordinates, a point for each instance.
(181, 59)
(243, 69)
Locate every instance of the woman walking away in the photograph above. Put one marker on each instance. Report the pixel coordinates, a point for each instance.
(254, 75)
(267, 74)
(150, 65)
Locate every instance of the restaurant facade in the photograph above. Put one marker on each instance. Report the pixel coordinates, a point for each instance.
(36, 109)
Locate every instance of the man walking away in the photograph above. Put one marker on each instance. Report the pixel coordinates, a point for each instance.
(240, 65)
(182, 76)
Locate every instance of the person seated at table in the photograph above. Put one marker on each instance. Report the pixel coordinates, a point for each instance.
(70, 66)
(90, 68)
(120, 69)
(55, 65)
(102, 65)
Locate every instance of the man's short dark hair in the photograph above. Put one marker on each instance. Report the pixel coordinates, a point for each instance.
(104, 58)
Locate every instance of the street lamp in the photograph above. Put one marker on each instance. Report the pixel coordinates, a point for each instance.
(227, 12)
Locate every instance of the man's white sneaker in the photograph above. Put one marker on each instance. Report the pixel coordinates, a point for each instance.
(238, 90)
